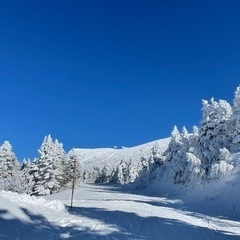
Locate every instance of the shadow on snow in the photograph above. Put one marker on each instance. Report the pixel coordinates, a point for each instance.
(127, 225)
(133, 226)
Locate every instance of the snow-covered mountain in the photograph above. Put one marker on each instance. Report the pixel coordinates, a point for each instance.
(108, 164)
(101, 156)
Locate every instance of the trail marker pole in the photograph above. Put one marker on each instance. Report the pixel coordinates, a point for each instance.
(73, 180)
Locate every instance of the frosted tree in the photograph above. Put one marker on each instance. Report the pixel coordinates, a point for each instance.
(106, 175)
(133, 171)
(235, 121)
(188, 170)
(222, 168)
(149, 166)
(48, 175)
(9, 168)
(26, 164)
(61, 162)
(144, 172)
(194, 140)
(214, 131)
(174, 145)
(123, 175)
(195, 130)
(184, 140)
(157, 155)
(182, 162)
(8, 160)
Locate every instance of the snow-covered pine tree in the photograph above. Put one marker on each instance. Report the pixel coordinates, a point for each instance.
(182, 162)
(157, 155)
(26, 181)
(47, 174)
(8, 160)
(235, 122)
(155, 163)
(144, 172)
(123, 176)
(9, 167)
(62, 163)
(174, 145)
(26, 164)
(106, 175)
(214, 131)
(223, 167)
(184, 140)
(193, 140)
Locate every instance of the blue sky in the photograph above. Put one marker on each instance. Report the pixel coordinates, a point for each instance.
(112, 73)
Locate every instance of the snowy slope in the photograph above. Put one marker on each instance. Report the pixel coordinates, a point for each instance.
(92, 161)
(108, 212)
(101, 156)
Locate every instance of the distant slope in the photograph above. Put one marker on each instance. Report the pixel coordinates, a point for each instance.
(111, 156)
(114, 165)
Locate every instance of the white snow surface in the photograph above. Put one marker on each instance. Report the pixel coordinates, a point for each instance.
(118, 212)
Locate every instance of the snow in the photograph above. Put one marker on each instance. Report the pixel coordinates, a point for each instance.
(119, 212)
(103, 165)
(99, 156)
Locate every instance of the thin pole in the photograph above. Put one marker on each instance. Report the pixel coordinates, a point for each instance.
(73, 180)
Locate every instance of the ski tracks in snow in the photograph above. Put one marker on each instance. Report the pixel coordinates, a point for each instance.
(102, 212)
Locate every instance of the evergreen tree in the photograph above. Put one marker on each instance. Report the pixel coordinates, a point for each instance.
(123, 174)
(61, 161)
(48, 172)
(9, 168)
(8, 160)
(184, 140)
(214, 131)
(235, 121)
(174, 145)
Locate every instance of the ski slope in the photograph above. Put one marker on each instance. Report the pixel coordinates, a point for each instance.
(114, 212)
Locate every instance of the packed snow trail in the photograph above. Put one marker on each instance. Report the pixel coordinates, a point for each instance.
(105, 212)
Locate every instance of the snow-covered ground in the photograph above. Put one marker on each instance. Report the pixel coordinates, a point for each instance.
(115, 212)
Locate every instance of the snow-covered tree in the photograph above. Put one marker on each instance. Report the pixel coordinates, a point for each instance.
(61, 162)
(157, 155)
(123, 172)
(214, 131)
(8, 160)
(184, 140)
(144, 172)
(235, 121)
(222, 168)
(48, 170)
(174, 145)
(9, 168)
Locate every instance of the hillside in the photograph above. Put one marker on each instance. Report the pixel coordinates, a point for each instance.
(90, 159)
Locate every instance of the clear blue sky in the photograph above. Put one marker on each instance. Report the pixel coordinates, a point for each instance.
(106, 73)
